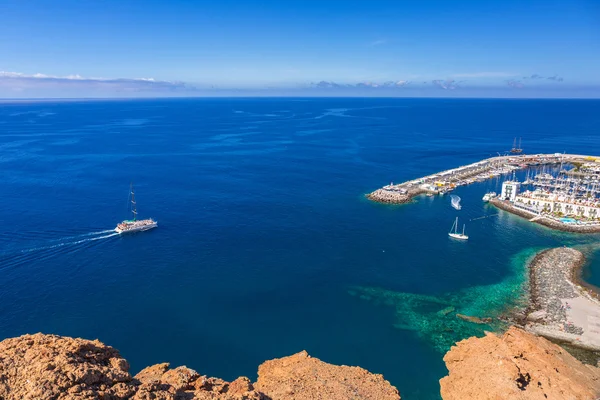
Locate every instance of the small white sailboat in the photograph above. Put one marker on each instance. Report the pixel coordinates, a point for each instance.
(454, 231)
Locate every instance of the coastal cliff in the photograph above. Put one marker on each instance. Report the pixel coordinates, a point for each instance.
(54, 367)
(516, 365)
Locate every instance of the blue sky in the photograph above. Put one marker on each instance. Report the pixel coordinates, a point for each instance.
(103, 48)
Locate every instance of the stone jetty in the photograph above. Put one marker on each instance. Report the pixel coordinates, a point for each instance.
(559, 308)
(395, 196)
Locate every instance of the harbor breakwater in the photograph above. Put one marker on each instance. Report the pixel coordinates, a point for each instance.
(393, 196)
(559, 307)
(445, 181)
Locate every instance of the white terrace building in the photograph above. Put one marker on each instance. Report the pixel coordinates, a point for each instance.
(539, 201)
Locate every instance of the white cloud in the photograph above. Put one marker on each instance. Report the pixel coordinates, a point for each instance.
(17, 81)
(486, 74)
(10, 74)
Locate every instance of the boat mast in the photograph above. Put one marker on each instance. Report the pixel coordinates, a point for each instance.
(456, 225)
(463, 229)
(133, 208)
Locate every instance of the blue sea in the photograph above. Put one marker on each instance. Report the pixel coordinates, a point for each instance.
(266, 245)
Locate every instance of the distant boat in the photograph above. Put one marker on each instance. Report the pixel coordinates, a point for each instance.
(488, 196)
(455, 202)
(455, 234)
(515, 149)
(135, 225)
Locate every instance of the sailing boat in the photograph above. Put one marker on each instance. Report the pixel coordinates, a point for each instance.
(455, 234)
(135, 225)
(515, 149)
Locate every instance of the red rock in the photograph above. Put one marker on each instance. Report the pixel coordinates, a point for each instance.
(301, 377)
(49, 367)
(517, 365)
(180, 378)
(240, 386)
(152, 373)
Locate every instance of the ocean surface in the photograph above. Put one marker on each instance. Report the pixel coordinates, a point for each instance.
(266, 245)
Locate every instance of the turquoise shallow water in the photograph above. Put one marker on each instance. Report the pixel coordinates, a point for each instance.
(266, 245)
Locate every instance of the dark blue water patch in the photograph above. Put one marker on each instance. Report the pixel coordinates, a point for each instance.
(263, 225)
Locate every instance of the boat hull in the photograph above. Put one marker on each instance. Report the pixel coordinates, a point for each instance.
(458, 236)
(131, 228)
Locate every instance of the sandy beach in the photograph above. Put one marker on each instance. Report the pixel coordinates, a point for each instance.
(561, 309)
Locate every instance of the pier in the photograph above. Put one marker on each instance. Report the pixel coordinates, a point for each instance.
(446, 181)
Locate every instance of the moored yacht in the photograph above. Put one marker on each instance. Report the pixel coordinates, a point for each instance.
(488, 196)
(455, 234)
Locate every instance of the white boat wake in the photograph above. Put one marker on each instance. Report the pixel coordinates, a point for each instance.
(455, 202)
(83, 235)
(17, 257)
(91, 239)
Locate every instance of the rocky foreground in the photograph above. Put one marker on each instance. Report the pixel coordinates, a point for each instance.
(45, 367)
(517, 365)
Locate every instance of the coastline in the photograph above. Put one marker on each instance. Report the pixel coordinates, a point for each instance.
(559, 307)
(541, 220)
(577, 278)
(394, 197)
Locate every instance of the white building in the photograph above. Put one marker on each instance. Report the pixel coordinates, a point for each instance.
(510, 190)
(539, 201)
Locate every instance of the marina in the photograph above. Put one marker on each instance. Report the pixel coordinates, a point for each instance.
(566, 200)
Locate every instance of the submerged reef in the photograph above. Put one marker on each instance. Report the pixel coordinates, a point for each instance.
(445, 319)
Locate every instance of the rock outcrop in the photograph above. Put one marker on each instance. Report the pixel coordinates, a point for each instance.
(45, 367)
(303, 377)
(517, 365)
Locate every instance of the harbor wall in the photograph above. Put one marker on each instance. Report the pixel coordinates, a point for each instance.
(542, 220)
(559, 308)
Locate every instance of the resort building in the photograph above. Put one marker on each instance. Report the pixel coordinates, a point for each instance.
(539, 201)
(510, 190)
